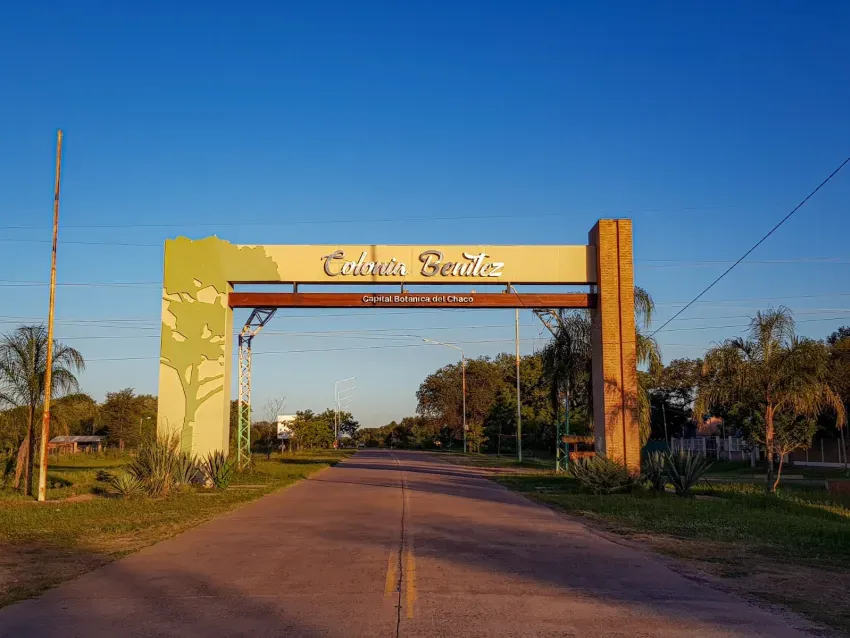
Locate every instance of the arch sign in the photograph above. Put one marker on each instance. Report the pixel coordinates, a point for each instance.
(198, 298)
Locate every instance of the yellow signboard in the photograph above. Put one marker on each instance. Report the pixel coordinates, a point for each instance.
(428, 264)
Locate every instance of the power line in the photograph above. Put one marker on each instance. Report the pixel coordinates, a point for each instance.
(385, 333)
(154, 323)
(348, 348)
(757, 244)
(395, 219)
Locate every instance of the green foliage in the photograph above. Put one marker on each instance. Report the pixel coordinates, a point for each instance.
(311, 430)
(684, 469)
(126, 416)
(102, 476)
(655, 470)
(156, 465)
(124, 485)
(217, 469)
(23, 363)
(774, 375)
(7, 467)
(601, 475)
(185, 470)
(264, 438)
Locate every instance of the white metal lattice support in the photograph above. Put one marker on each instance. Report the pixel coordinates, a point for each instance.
(259, 317)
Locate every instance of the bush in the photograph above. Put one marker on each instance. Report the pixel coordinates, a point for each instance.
(156, 465)
(601, 475)
(103, 476)
(684, 469)
(7, 467)
(655, 470)
(124, 485)
(186, 470)
(217, 469)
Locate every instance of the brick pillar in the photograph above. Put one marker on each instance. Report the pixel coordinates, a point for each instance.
(615, 415)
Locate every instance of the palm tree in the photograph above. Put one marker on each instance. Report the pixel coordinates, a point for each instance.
(23, 362)
(774, 372)
(566, 358)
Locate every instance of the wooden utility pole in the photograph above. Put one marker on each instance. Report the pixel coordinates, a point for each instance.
(518, 400)
(48, 376)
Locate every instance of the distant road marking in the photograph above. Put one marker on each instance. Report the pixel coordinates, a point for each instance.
(409, 555)
(391, 586)
(410, 577)
(404, 559)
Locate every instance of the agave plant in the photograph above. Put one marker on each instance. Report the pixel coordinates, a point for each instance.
(185, 470)
(124, 485)
(655, 470)
(156, 465)
(684, 469)
(217, 469)
(601, 475)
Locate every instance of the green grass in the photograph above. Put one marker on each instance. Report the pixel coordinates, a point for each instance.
(495, 461)
(797, 525)
(45, 542)
(743, 469)
(792, 548)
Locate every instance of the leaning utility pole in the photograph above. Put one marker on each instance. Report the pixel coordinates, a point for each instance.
(48, 376)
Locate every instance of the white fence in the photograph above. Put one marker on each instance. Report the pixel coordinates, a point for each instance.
(732, 448)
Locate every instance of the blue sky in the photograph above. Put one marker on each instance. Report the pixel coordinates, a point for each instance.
(379, 122)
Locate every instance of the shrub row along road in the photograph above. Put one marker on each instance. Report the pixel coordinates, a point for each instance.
(389, 544)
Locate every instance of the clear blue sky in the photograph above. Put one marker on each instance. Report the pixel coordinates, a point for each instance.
(704, 122)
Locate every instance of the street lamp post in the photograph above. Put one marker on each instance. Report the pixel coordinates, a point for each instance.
(141, 419)
(463, 377)
(336, 406)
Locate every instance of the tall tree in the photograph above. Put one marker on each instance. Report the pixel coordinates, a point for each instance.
(23, 362)
(777, 373)
(672, 392)
(74, 414)
(128, 417)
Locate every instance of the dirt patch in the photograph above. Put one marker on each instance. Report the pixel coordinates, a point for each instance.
(28, 570)
(813, 591)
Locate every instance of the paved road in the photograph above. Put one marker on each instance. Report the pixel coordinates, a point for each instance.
(388, 544)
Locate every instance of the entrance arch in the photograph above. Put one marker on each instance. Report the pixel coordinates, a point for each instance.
(196, 348)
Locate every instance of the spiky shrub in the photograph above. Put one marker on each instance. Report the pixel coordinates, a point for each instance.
(684, 469)
(655, 470)
(217, 469)
(156, 465)
(124, 485)
(186, 470)
(601, 475)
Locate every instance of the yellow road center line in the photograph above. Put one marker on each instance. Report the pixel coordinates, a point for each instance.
(410, 579)
(391, 585)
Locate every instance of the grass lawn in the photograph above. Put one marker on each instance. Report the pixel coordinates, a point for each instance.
(792, 549)
(43, 544)
(743, 470)
(494, 461)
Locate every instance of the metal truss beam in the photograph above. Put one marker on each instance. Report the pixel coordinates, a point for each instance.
(258, 318)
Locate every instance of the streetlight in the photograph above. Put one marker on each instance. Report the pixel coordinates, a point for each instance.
(336, 405)
(463, 376)
(141, 419)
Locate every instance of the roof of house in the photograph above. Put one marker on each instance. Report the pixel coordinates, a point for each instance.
(77, 439)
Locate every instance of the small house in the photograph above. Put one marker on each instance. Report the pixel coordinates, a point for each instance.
(74, 444)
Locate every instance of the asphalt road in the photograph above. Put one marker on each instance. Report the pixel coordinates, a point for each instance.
(389, 544)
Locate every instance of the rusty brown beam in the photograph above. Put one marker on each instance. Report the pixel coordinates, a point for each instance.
(409, 300)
